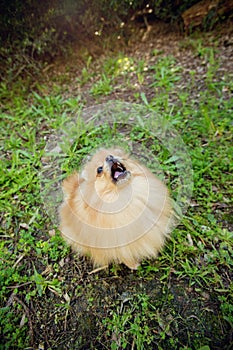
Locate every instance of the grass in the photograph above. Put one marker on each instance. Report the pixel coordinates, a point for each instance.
(184, 299)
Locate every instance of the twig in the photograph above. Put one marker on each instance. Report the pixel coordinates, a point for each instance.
(148, 29)
(13, 298)
(19, 285)
(97, 270)
(19, 259)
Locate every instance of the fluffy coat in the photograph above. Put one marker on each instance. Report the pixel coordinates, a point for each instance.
(115, 210)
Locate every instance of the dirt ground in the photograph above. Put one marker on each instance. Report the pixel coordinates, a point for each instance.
(139, 43)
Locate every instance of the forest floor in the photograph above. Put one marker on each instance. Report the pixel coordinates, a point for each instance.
(182, 300)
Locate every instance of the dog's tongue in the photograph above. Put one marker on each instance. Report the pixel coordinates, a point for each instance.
(117, 174)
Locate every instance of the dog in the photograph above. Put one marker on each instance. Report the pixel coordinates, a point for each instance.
(115, 210)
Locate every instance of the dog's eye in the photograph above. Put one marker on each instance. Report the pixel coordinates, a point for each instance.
(99, 170)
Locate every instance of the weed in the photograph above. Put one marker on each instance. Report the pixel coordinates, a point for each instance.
(165, 73)
(42, 284)
(85, 73)
(102, 86)
(130, 324)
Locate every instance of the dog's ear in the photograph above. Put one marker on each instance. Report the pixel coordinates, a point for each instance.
(70, 184)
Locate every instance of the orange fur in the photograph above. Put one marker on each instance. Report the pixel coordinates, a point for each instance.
(121, 222)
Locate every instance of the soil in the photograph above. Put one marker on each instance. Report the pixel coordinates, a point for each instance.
(162, 39)
(190, 312)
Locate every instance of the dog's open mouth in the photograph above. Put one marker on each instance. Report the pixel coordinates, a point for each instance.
(118, 170)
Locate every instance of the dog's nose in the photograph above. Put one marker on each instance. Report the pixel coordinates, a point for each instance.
(109, 158)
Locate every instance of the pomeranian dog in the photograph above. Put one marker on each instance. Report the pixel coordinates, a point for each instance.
(115, 210)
